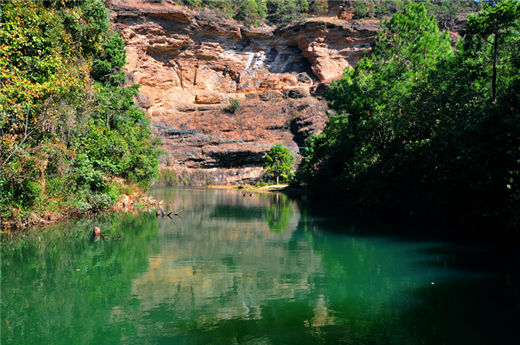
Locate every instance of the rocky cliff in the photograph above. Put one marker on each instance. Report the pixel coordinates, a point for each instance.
(221, 93)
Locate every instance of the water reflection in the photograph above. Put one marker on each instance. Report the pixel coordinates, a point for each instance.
(221, 261)
(247, 270)
(58, 285)
(280, 213)
(235, 262)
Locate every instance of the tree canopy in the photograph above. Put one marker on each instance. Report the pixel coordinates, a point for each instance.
(419, 130)
(279, 163)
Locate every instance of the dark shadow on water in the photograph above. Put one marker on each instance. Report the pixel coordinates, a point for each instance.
(476, 299)
(241, 212)
(350, 220)
(460, 312)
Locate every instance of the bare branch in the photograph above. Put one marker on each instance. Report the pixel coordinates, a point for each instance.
(17, 147)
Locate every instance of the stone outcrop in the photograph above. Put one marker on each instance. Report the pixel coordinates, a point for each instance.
(222, 93)
(208, 99)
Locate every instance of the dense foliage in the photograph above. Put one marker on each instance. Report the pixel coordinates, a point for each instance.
(279, 164)
(446, 11)
(423, 130)
(257, 12)
(69, 127)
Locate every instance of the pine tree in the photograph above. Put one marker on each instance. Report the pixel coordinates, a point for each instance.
(491, 36)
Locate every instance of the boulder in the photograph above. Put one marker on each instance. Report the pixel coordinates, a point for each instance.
(304, 78)
(144, 101)
(298, 92)
(208, 99)
(270, 95)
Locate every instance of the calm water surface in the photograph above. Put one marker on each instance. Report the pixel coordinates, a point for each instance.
(249, 270)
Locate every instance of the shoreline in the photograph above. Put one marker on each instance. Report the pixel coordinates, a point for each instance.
(253, 188)
(126, 203)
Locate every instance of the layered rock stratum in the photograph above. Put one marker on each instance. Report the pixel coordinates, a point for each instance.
(219, 93)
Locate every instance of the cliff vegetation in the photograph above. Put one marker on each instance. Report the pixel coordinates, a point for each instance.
(281, 12)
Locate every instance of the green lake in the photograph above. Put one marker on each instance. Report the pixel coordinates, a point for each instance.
(253, 269)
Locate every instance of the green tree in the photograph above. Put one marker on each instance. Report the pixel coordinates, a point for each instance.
(279, 163)
(371, 98)
(492, 37)
(251, 12)
(358, 148)
(286, 11)
(416, 134)
(107, 67)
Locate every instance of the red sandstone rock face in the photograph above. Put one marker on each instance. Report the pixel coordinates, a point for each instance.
(330, 47)
(191, 64)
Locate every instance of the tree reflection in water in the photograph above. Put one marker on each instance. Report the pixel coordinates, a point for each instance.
(279, 213)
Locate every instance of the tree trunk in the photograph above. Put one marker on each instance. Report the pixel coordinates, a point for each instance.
(277, 179)
(495, 58)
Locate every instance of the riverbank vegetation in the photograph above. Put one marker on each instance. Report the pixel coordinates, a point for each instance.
(71, 138)
(423, 130)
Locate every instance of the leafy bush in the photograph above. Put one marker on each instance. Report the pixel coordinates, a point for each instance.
(234, 105)
(286, 11)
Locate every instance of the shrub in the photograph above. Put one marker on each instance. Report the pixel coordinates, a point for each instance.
(168, 177)
(234, 105)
